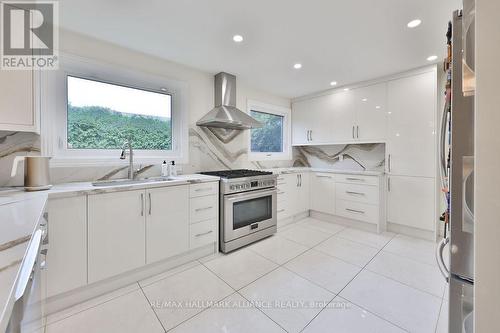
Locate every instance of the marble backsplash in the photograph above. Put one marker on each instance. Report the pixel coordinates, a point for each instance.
(206, 152)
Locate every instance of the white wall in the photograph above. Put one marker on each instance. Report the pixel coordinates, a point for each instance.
(487, 175)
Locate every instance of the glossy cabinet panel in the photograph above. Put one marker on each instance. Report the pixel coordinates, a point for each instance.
(323, 192)
(370, 106)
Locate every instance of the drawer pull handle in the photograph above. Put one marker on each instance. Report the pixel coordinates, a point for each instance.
(204, 208)
(354, 193)
(355, 179)
(204, 233)
(355, 211)
(323, 176)
(203, 189)
(281, 210)
(282, 192)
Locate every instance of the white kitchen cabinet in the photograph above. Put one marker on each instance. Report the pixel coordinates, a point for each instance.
(411, 201)
(312, 121)
(322, 192)
(293, 194)
(304, 192)
(116, 233)
(370, 106)
(411, 146)
(167, 222)
(67, 248)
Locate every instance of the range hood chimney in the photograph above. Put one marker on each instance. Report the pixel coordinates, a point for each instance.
(225, 114)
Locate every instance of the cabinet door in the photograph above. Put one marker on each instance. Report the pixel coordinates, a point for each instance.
(411, 202)
(167, 222)
(116, 232)
(371, 112)
(67, 249)
(301, 122)
(303, 192)
(287, 192)
(411, 133)
(342, 117)
(323, 192)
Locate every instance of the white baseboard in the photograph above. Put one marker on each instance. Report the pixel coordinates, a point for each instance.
(344, 221)
(73, 297)
(410, 231)
(292, 219)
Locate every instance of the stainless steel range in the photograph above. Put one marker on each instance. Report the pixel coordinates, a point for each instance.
(247, 204)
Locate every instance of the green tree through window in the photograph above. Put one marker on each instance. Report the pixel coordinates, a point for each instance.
(268, 138)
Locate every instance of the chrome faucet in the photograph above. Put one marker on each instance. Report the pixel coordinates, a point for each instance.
(123, 156)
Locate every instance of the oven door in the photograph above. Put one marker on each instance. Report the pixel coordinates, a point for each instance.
(249, 212)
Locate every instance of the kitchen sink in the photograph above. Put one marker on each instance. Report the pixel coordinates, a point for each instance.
(126, 181)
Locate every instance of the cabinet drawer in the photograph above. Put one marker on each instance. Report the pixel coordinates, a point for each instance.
(356, 179)
(199, 190)
(203, 208)
(358, 193)
(202, 233)
(357, 211)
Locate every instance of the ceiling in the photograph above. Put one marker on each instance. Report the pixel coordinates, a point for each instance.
(346, 41)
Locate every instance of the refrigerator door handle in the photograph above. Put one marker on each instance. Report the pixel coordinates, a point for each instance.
(440, 260)
(442, 147)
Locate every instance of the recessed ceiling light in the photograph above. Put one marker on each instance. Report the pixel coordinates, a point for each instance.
(414, 23)
(432, 58)
(297, 66)
(333, 83)
(364, 99)
(346, 89)
(238, 38)
(389, 112)
(377, 107)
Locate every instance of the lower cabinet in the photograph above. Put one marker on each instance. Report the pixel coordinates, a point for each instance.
(116, 233)
(323, 192)
(167, 226)
(67, 249)
(293, 194)
(411, 202)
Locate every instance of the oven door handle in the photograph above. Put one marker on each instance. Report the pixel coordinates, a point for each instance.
(250, 194)
(28, 266)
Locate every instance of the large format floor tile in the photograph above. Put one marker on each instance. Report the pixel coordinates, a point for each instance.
(442, 325)
(367, 238)
(278, 249)
(287, 298)
(404, 306)
(240, 268)
(327, 227)
(329, 272)
(342, 316)
(352, 252)
(305, 235)
(233, 314)
(130, 313)
(408, 271)
(183, 295)
(414, 248)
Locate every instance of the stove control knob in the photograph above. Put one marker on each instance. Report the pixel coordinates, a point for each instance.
(232, 187)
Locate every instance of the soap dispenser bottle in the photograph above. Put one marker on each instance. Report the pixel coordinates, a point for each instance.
(173, 169)
(164, 169)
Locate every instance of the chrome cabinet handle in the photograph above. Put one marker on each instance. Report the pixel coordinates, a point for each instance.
(300, 180)
(204, 208)
(297, 183)
(389, 162)
(203, 189)
(354, 211)
(150, 203)
(311, 134)
(142, 204)
(280, 210)
(355, 179)
(204, 233)
(388, 184)
(357, 131)
(354, 193)
(440, 260)
(323, 176)
(281, 192)
(353, 131)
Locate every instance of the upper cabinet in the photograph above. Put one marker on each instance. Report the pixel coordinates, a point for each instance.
(18, 110)
(411, 138)
(344, 116)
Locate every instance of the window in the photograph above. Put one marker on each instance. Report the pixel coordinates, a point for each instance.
(272, 140)
(93, 108)
(102, 116)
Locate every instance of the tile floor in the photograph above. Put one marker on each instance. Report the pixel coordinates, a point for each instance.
(312, 276)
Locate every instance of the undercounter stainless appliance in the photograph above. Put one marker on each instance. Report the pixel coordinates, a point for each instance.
(457, 169)
(247, 204)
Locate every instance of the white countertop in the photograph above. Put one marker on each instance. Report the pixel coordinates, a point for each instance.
(308, 169)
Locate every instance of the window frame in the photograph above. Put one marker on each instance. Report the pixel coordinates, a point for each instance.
(54, 126)
(284, 112)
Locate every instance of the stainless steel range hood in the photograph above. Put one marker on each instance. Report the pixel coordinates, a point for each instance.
(225, 114)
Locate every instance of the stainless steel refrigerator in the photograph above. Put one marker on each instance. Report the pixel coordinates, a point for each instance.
(457, 165)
